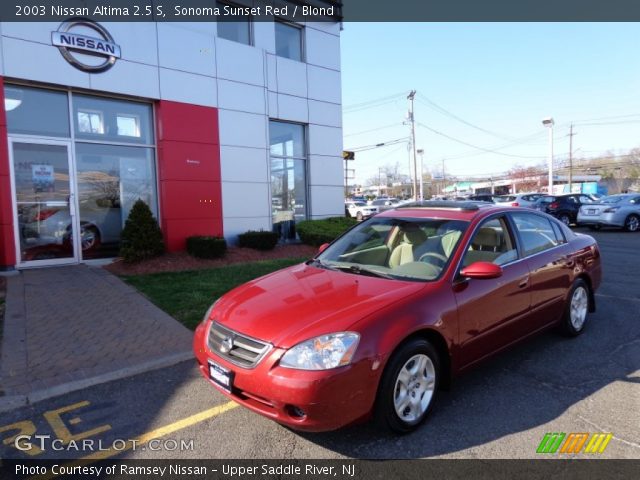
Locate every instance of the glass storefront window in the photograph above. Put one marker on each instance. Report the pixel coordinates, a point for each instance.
(113, 166)
(110, 180)
(32, 111)
(108, 120)
(288, 176)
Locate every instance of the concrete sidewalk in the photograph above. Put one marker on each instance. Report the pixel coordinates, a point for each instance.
(67, 328)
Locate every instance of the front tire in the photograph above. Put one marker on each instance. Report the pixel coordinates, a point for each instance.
(576, 310)
(359, 216)
(408, 387)
(632, 223)
(595, 228)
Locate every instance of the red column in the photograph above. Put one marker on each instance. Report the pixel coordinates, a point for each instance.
(7, 239)
(188, 172)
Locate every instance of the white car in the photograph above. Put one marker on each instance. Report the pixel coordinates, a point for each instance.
(360, 210)
(517, 200)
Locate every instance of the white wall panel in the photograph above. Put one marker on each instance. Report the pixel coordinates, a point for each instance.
(239, 62)
(245, 199)
(241, 164)
(189, 47)
(294, 109)
(323, 49)
(242, 97)
(273, 104)
(292, 77)
(325, 140)
(137, 40)
(128, 78)
(264, 35)
(34, 61)
(326, 170)
(332, 28)
(272, 73)
(324, 84)
(234, 226)
(242, 129)
(34, 31)
(188, 88)
(327, 201)
(323, 113)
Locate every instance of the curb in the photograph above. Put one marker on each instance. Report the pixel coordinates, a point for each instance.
(16, 401)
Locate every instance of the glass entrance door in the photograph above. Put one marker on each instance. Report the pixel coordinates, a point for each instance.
(44, 203)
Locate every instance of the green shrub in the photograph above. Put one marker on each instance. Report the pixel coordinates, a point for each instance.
(141, 235)
(262, 240)
(206, 247)
(317, 232)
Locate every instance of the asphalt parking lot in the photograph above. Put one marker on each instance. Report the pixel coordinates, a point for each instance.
(500, 410)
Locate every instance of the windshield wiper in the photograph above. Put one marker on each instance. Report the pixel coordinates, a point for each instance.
(319, 263)
(358, 270)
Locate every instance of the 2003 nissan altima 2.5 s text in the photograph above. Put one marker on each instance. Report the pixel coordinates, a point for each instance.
(391, 310)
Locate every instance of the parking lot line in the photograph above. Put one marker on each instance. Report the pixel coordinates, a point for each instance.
(152, 434)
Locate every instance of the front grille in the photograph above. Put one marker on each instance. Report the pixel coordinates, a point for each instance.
(245, 352)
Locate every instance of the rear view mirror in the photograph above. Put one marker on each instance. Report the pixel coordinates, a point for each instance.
(482, 270)
(322, 247)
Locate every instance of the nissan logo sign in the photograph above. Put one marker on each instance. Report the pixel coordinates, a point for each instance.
(73, 46)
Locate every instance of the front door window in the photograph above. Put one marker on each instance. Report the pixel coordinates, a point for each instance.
(43, 200)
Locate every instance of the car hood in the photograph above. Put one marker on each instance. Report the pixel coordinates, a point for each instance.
(302, 302)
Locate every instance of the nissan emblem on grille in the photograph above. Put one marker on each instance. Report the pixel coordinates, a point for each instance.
(226, 345)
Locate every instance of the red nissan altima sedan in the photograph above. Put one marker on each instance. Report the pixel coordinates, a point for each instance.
(383, 317)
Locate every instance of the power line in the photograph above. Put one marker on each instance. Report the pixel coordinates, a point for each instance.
(373, 130)
(487, 150)
(364, 148)
(372, 103)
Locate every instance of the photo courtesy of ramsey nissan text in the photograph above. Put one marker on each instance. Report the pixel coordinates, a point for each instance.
(267, 239)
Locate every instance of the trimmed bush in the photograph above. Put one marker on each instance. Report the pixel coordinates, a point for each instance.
(206, 247)
(262, 240)
(317, 232)
(141, 236)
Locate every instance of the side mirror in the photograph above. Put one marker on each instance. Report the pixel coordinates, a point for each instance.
(322, 247)
(482, 270)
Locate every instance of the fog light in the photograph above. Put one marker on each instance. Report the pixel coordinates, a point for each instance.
(296, 412)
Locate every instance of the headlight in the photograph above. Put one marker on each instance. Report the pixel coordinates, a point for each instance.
(322, 353)
(206, 315)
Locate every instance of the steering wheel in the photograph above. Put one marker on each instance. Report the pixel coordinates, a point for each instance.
(437, 255)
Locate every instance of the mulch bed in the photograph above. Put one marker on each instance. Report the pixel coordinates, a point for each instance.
(173, 262)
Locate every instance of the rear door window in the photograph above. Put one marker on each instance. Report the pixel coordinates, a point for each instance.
(536, 233)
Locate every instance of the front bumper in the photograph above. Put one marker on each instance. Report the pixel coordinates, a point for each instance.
(329, 399)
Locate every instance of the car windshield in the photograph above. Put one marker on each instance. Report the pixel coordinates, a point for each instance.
(396, 248)
(506, 198)
(612, 199)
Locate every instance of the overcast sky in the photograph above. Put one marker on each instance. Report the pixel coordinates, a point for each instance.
(501, 78)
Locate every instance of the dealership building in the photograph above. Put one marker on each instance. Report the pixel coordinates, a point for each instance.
(220, 128)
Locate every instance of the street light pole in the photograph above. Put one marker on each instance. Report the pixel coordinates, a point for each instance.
(548, 122)
(421, 153)
(410, 97)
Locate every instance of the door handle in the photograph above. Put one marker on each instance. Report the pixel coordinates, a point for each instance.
(524, 282)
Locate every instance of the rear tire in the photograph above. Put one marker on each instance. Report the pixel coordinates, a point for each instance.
(565, 218)
(632, 223)
(408, 387)
(577, 309)
(595, 228)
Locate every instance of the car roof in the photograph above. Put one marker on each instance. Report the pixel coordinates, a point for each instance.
(454, 210)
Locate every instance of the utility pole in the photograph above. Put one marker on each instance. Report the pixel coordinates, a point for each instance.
(571, 134)
(421, 153)
(410, 97)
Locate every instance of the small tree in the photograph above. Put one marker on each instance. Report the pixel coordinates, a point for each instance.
(141, 236)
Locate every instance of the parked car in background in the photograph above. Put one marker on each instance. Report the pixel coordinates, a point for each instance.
(564, 207)
(382, 318)
(360, 210)
(518, 200)
(483, 197)
(621, 211)
(385, 203)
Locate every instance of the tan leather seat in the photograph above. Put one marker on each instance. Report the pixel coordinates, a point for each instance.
(412, 237)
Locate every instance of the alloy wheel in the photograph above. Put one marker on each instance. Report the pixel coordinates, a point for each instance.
(414, 388)
(579, 307)
(632, 223)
